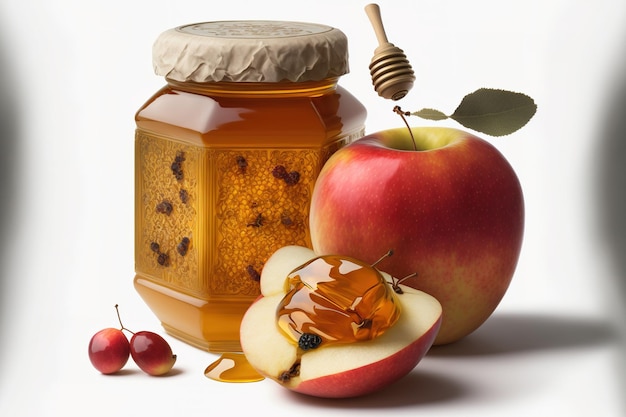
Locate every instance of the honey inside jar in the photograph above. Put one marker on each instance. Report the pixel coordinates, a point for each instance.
(339, 300)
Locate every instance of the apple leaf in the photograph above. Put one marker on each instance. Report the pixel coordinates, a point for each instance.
(430, 114)
(495, 112)
(490, 111)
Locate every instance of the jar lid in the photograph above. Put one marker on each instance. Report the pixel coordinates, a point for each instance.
(251, 51)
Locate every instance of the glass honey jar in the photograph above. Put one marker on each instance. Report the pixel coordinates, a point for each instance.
(226, 157)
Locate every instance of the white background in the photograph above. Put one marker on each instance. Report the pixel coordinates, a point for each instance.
(73, 74)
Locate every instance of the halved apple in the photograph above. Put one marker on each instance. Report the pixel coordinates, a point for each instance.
(335, 370)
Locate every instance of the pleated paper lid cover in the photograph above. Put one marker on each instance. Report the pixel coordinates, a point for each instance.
(251, 51)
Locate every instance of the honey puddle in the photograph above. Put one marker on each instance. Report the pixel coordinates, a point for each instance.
(232, 367)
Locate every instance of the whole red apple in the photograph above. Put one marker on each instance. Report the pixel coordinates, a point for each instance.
(452, 211)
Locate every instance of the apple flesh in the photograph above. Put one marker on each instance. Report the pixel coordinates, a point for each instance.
(452, 211)
(336, 370)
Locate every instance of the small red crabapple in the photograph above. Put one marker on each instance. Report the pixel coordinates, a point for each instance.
(151, 353)
(109, 350)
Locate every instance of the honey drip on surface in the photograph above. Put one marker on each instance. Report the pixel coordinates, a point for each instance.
(232, 367)
(342, 300)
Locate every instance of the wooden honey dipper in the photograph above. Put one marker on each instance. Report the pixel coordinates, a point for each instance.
(392, 74)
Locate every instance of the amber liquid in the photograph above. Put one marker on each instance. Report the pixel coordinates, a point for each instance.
(339, 299)
(224, 175)
(232, 367)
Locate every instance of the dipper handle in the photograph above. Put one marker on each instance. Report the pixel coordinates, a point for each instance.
(373, 13)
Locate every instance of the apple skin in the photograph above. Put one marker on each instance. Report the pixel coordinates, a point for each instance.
(453, 212)
(109, 350)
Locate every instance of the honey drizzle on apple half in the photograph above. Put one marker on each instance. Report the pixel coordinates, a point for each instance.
(331, 300)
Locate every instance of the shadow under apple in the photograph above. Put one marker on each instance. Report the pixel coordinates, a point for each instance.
(509, 334)
(502, 334)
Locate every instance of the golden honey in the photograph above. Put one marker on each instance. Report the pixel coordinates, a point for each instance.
(339, 299)
(225, 166)
(232, 367)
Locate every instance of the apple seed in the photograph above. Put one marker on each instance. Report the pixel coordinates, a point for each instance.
(293, 371)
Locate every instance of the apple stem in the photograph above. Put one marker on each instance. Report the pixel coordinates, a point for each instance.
(386, 255)
(396, 282)
(402, 114)
(117, 310)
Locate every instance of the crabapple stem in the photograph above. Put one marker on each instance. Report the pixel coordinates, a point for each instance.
(402, 114)
(117, 310)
